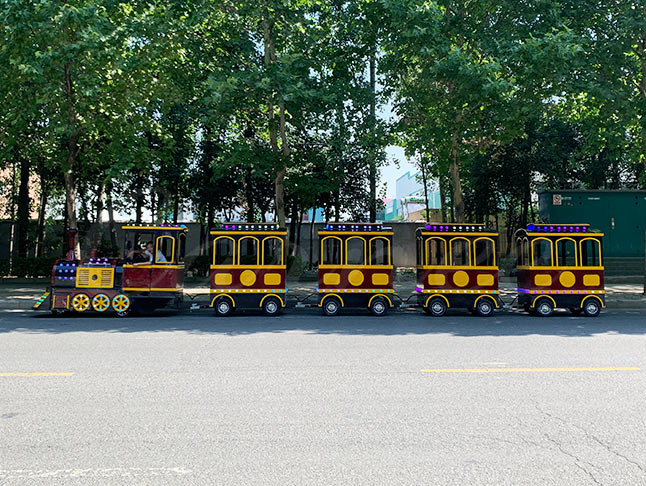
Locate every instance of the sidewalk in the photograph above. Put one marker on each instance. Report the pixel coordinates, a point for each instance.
(21, 294)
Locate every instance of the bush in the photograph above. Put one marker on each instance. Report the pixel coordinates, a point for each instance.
(295, 265)
(28, 267)
(200, 265)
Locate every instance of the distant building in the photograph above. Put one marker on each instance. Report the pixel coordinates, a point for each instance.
(409, 203)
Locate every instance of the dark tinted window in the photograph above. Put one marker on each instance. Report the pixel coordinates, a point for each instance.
(331, 251)
(542, 250)
(379, 251)
(519, 252)
(590, 253)
(460, 255)
(356, 251)
(248, 251)
(566, 251)
(484, 252)
(223, 251)
(182, 248)
(435, 251)
(272, 251)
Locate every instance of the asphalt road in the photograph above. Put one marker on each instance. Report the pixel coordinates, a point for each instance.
(303, 400)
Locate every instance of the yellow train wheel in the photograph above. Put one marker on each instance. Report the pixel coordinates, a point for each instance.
(101, 302)
(121, 304)
(80, 302)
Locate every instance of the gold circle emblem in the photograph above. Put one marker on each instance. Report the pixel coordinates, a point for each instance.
(461, 279)
(355, 277)
(247, 278)
(567, 279)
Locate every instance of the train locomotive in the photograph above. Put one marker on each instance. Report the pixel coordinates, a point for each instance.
(558, 267)
(150, 275)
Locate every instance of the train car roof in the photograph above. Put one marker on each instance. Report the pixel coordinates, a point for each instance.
(247, 228)
(360, 229)
(433, 229)
(157, 227)
(544, 229)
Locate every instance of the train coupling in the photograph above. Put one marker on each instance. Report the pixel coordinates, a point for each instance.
(303, 305)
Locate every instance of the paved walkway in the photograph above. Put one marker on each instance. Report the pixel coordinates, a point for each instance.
(22, 294)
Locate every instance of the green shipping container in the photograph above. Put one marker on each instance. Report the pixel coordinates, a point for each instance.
(620, 215)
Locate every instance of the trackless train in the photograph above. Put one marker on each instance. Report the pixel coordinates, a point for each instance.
(558, 266)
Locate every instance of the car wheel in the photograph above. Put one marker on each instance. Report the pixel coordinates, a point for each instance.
(379, 307)
(544, 307)
(121, 305)
(437, 307)
(592, 308)
(485, 307)
(80, 302)
(271, 306)
(223, 306)
(331, 306)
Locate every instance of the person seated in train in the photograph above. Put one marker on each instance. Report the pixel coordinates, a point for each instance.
(149, 252)
(145, 255)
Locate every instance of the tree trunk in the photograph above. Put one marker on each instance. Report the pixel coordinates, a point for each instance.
(442, 198)
(282, 171)
(209, 225)
(279, 189)
(110, 207)
(250, 196)
(69, 180)
(372, 169)
(153, 206)
(99, 203)
(337, 206)
(425, 184)
(176, 207)
(297, 246)
(40, 232)
(454, 171)
(292, 230)
(139, 201)
(312, 237)
(22, 223)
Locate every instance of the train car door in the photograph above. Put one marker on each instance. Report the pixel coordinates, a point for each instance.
(164, 268)
(137, 268)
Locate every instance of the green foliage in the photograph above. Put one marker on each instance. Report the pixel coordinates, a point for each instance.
(27, 267)
(207, 105)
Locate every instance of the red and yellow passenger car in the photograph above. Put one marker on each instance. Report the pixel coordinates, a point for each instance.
(356, 267)
(457, 267)
(150, 275)
(248, 268)
(560, 266)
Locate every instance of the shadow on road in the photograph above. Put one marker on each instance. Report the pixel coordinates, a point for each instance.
(310, 321)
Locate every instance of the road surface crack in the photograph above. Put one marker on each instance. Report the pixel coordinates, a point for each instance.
(578, 462)
(589, 435)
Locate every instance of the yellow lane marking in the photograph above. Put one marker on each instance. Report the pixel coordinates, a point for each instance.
(527, 370)
(47, 373)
